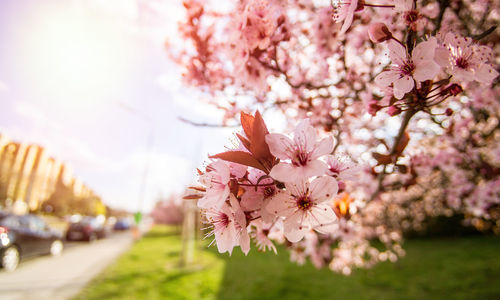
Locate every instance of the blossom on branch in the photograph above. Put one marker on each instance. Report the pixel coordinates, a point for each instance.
(304, 206)
(405, 69)
(465, 60)
(302, 152)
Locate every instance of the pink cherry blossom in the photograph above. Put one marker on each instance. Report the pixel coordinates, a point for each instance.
(343, 10)
(262, 234)
(465, 60)
(342, 168)
(303, 153)
(420, 66)
(256, 196)
(228, 225)
(304, 207)
(411, 17)
(223, 227)
(216, 182)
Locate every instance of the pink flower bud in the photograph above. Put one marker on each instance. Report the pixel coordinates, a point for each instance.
(342, 186)
(373, 107)
(379, 33)
(455, 89)
(394, 110)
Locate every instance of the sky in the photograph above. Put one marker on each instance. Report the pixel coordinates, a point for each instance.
(90, 81)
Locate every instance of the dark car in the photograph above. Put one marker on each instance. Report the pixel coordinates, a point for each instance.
(26, 236)
(88, 229)
(122, 224)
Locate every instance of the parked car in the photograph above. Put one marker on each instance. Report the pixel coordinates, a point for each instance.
(87, 229)
(122, 224)
(26, 236)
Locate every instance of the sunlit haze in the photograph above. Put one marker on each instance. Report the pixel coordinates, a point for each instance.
(93, 85)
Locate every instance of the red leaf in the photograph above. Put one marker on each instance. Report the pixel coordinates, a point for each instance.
(240, 157)
(192, 197)
(244, 141)
(198, 188)
(403, 142)
(258, 145)
(247, 124)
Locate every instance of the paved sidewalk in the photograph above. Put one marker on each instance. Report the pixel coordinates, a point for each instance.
(64, 276)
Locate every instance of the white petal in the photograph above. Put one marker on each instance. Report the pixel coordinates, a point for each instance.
(281, 204)
(486, 74)
(297, 187)
(323, 188)
(402, 86)
(222, 169)
(305, 136)
(280, 145)
(325, 146)
(324, 218)
(226, 239)
(385, 78)
(424, 50)
(442, 56)
(426, 70)
(397, 52)
(283, 172)
(244, 241)
(349, 17)
(313, 168)
(294, 228)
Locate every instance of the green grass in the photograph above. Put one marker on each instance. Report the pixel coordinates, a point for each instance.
(447, 268)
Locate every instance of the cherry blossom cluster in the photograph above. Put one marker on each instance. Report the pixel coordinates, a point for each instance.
(408, 88)
(272, 186)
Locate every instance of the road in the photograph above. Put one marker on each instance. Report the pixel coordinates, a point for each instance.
(64, 276)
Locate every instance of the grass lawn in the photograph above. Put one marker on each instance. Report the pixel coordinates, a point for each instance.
(450, 268)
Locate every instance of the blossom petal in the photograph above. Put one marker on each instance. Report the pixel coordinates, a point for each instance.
(424, 50)
(251, 199)
(385, 78)
(323, 188)
(280, 145)
(402, 86)
(486, 74)
(244, 241)
(442, 56)
(226, 239)
(214, 198)
(222, 169)
(305, 136)
(324, 219)
(397, 52)
(280, 204)
(349, 16)
(325, 146)
(426, 70)
(283, 172)
(313, 168)
(293, 228)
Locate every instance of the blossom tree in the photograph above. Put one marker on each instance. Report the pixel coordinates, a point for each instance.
(395, 106)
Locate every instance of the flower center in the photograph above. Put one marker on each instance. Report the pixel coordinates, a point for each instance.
(221, 221)
(462, 63)
(269, 191)
(408, 68)
(301, 158)
(304, 203)
(335, 170)
(411, 16)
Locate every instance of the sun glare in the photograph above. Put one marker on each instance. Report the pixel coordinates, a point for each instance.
(76, 57)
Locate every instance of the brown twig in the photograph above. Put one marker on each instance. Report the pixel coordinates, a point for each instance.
(205, 124)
